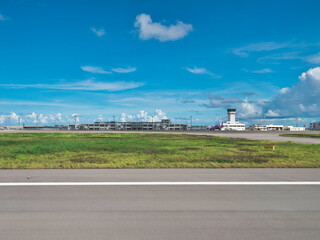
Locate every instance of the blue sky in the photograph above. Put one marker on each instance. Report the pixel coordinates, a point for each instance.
(175, 59)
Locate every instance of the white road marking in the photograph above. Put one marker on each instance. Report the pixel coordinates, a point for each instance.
(14, 184)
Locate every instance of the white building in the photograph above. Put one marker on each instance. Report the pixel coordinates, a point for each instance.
(271, 127)
(258, 127)
(232, 124)
(11, 128)
(292, 128)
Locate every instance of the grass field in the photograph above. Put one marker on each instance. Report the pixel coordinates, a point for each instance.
(303, 135)
(130, 150)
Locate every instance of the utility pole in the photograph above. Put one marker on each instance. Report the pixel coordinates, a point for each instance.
(190, 122)
(114, 119)
(19, 120)
(297, 122)
(9, 120)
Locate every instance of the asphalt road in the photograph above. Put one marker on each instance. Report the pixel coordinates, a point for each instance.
(160, 212)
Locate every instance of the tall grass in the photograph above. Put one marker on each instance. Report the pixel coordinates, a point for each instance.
(135, 150)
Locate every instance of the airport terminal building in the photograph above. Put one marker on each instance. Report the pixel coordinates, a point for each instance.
(164, 124)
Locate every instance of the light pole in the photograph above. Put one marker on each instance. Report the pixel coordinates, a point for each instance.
(37, 118)
(152, 123)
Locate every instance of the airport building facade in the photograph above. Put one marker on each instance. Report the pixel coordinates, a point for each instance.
(163, 125)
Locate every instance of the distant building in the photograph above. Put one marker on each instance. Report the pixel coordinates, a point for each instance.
(164, 124)
(198, 127)
(258, 127)
(232, 124)
(46, 128)
(292, 128)
(11, 127)
(315, 126)
(271, 127)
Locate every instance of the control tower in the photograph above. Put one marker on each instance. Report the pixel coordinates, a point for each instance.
(231, 115)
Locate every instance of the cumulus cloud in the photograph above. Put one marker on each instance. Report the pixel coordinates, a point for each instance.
(301, 99)
(93, 69)
(49, 119)
(271, 113)
(258, 47)
(37, 118)
(88, 85)
(203, 71)
(124, 70)
(10, 119)
(99, 32)
(248, 109)
(149, 29)
(157, 116)
(2, 119)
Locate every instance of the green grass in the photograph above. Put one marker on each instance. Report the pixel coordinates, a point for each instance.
(130, 150)
(303, 135)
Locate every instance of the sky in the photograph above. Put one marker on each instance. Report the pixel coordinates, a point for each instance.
(85, 61)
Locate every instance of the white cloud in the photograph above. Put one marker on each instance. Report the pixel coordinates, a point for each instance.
(89, 85)
(99, 118)
(196, 70)
(93, 69)
(249, 110)
(301, 99)
(99, 32)
(10, 119)
(38, 118)
(144, 116)
(271, 113)
(2, 119)
(3, 18)
(204, 71)
(284, 90)
(55, 117)
(148, 29)
(274, 58)
(76, 118)
(264, 70)
(314, 58)
(43, 119)
(258, 47)
(221, 102)
(124, 70)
